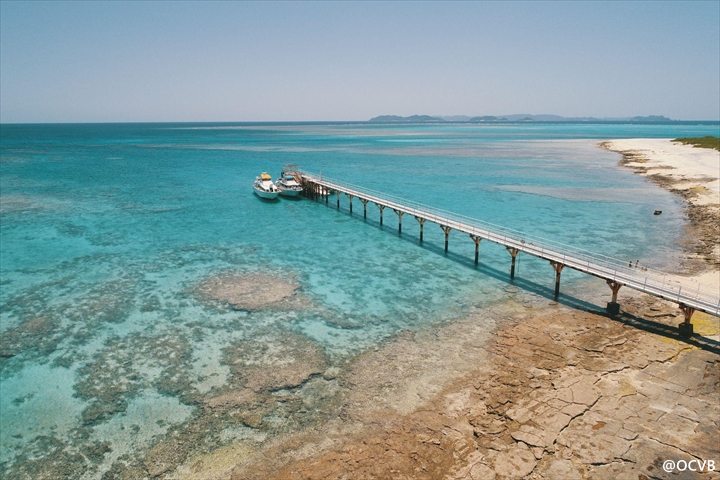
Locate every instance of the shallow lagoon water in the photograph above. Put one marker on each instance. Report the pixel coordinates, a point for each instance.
(108, 229)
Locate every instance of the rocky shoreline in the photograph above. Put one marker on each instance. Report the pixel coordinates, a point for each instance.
(591, 397)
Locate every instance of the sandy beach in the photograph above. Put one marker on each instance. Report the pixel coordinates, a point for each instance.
(551, 392)
(692, 170)
(694, 174)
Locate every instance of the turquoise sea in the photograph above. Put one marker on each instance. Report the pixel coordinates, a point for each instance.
(106, 231)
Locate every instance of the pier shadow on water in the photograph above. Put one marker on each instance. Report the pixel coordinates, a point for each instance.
(531, 286)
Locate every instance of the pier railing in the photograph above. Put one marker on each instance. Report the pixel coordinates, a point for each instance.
(654, 282)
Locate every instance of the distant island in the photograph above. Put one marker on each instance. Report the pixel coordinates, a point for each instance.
(522, 117)
(410, 119)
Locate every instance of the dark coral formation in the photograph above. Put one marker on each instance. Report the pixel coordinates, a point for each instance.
(36, 333)
(276, 385)
(47, 458)
(71, 322)
(130, 364)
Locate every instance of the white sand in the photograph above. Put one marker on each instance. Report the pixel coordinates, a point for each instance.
(694, 168)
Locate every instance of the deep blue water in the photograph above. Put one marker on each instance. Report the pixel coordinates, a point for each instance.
(106, 229)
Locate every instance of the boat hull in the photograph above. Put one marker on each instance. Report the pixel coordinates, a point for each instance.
(266, 195)
(290, 193)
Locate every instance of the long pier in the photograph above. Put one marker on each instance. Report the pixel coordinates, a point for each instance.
(616, 273)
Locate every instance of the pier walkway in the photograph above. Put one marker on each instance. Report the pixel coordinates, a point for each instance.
(616, 273)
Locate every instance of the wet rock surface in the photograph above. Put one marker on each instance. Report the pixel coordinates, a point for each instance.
(705, 223)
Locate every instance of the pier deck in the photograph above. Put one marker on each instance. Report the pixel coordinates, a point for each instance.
(614, 272)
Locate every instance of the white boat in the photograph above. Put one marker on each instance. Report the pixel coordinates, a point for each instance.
(288, 185)
(264, 187)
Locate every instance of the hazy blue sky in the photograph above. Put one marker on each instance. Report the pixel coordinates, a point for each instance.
(142, 61)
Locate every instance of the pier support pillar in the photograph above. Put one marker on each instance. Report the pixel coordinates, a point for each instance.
(399, 214)
(364, 202)
(381, 207)
(686, 328)
(337, 194)
(513, 254)
(557, 266)
(476, 239)
(350, 197)
(613, 308)
(326, 194)
(446, 230)
(421, 221)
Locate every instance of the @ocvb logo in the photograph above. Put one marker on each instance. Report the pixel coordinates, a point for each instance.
(689, 465)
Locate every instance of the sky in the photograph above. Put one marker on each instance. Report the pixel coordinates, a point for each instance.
(294, 61)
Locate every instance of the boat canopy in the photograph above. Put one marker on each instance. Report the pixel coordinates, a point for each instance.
(265, 176)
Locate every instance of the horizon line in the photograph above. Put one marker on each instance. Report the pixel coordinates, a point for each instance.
(568, 120)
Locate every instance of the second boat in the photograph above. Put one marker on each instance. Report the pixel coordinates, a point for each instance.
(288, 184)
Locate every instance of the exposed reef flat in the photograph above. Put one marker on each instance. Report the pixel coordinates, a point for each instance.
(564, 394)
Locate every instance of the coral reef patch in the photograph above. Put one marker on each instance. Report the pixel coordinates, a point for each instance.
(249, 291)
